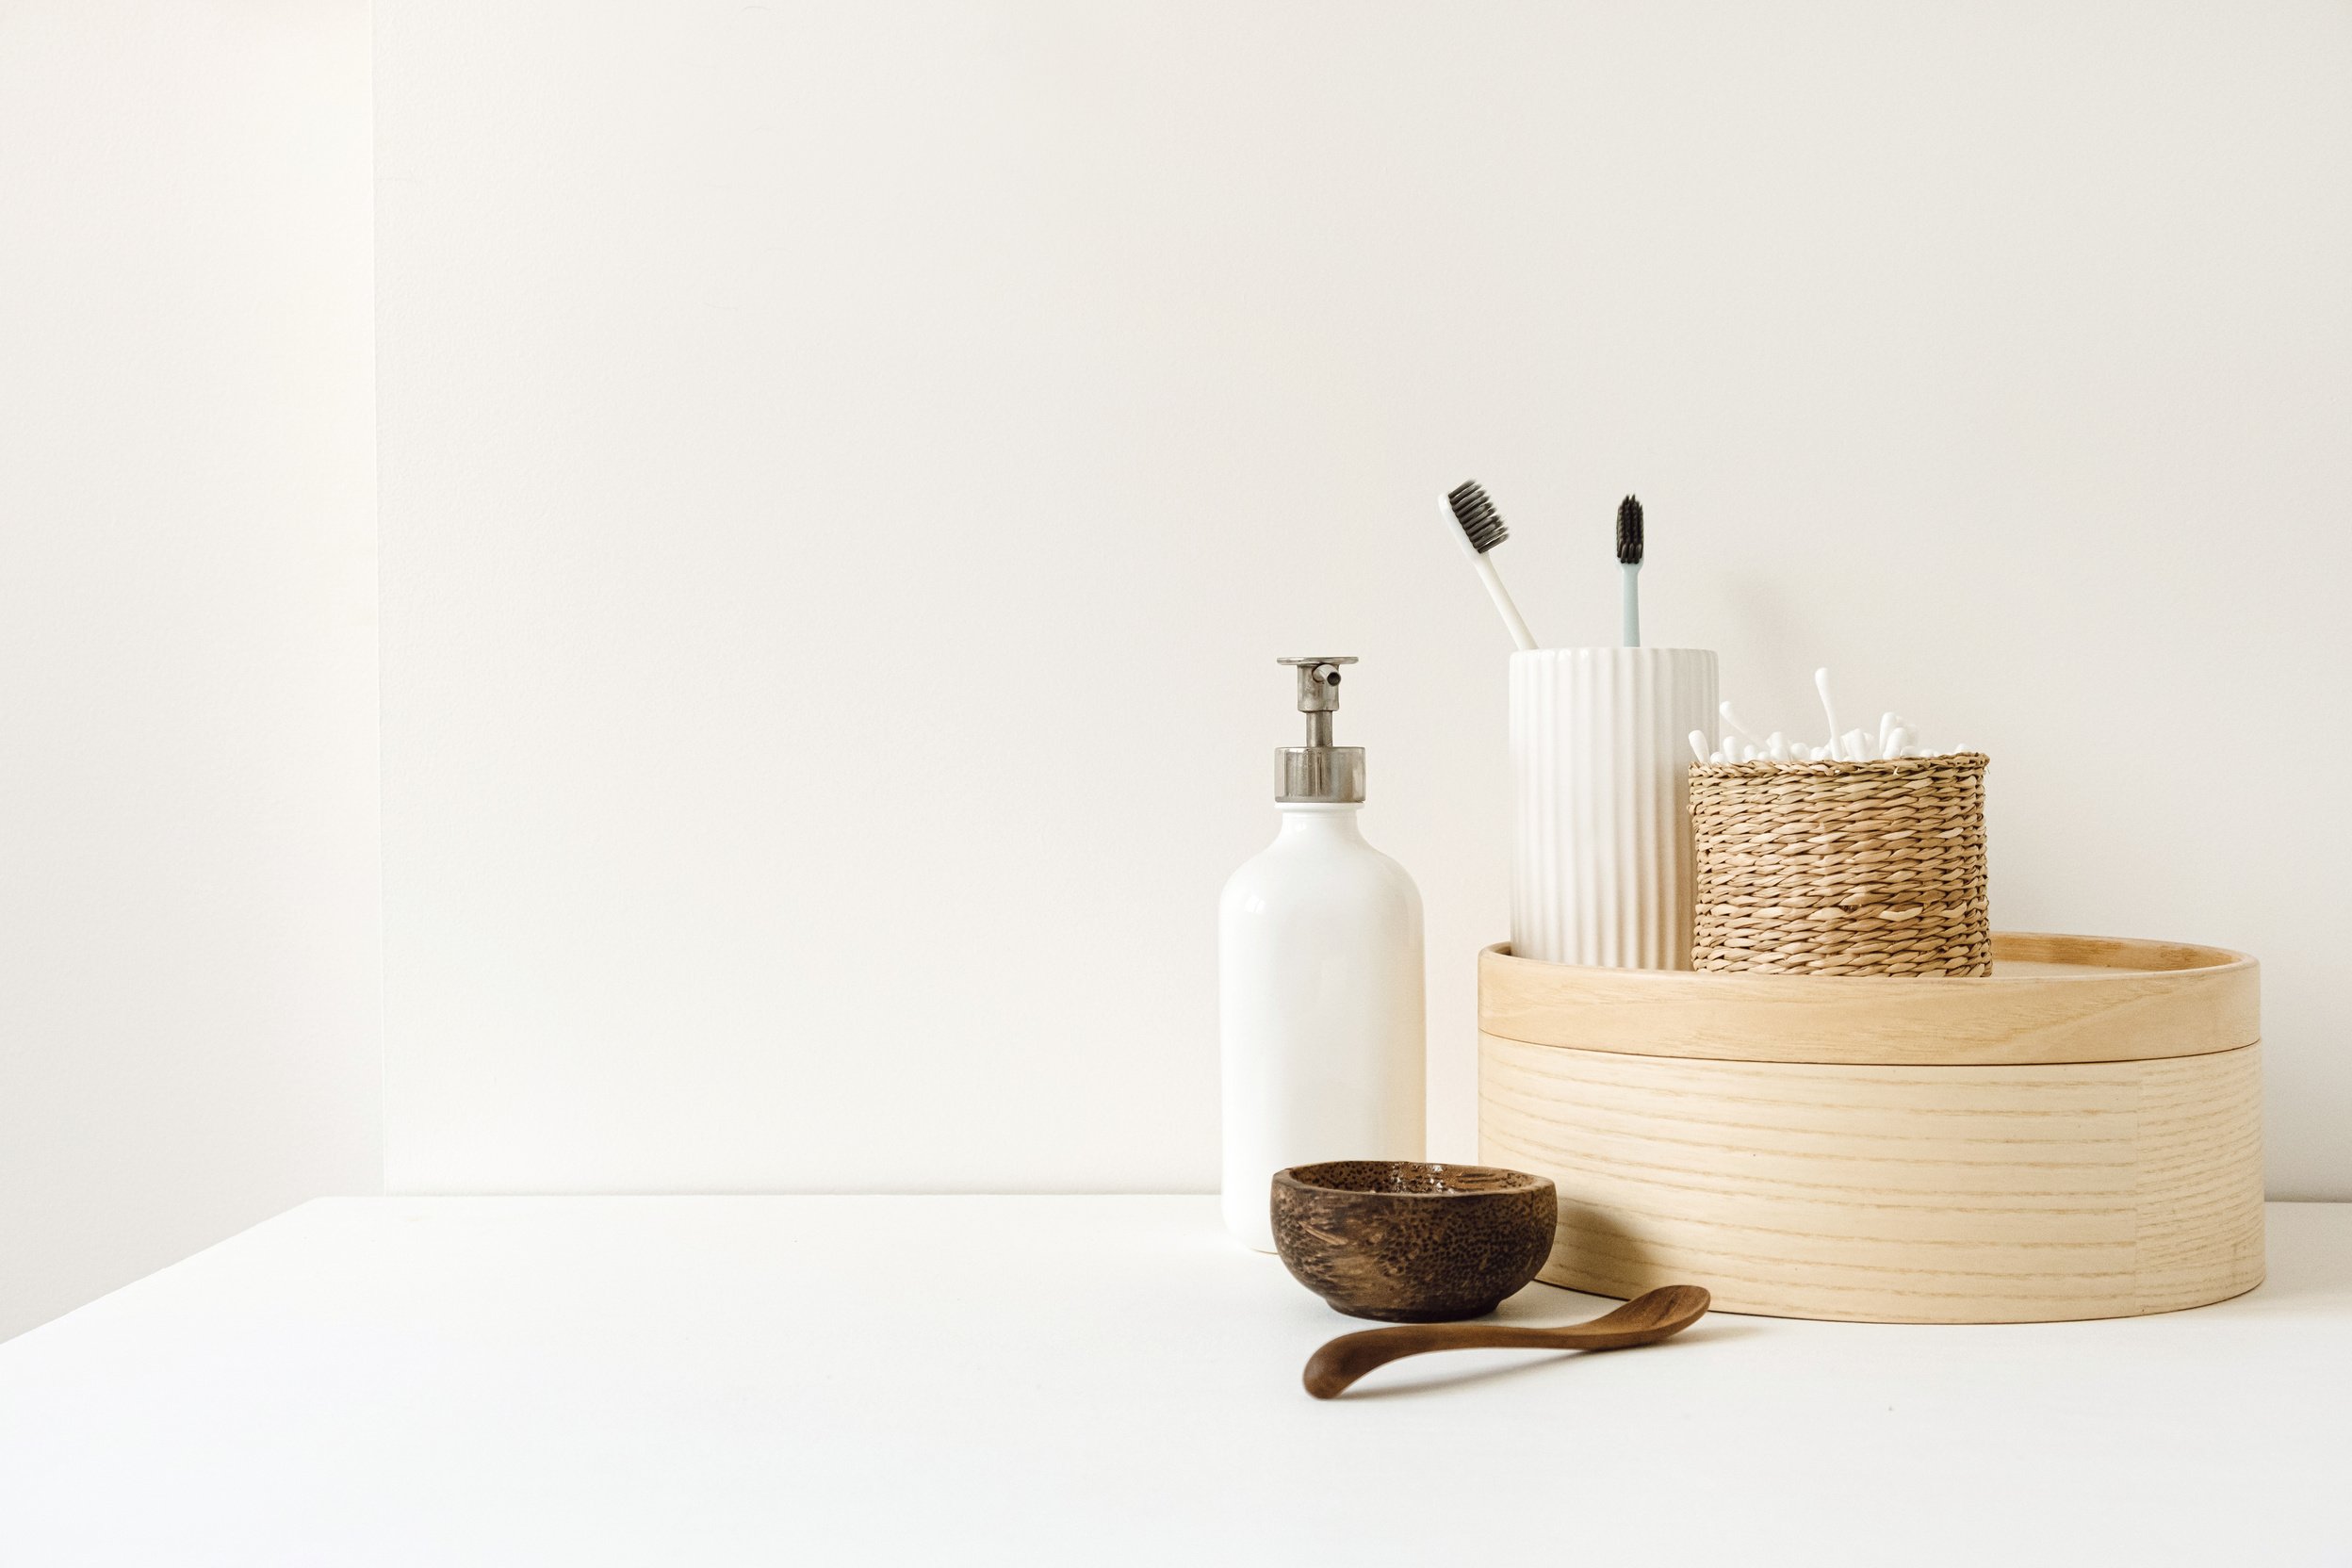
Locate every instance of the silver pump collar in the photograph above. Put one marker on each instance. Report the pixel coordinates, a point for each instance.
(1319, 771)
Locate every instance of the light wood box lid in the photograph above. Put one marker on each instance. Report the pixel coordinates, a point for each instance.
(2050, 999)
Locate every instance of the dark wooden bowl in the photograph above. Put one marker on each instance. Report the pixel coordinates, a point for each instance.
(1412, 1243)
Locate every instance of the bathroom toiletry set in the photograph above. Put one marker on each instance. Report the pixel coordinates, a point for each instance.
(1753, 1036)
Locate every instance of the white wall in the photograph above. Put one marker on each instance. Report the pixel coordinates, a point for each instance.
(848, 470)
(187, 750)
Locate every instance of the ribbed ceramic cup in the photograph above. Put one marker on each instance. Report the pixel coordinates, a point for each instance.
(1600, 745)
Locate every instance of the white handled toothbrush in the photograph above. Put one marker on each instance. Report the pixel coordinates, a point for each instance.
(1481, 531)
(1629, 566)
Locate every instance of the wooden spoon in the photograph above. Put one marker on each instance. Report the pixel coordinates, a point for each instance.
(1661, 1314)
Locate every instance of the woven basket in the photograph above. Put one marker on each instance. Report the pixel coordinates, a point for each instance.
(1841, 868)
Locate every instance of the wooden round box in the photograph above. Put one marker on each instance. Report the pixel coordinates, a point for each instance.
(2077, 1136)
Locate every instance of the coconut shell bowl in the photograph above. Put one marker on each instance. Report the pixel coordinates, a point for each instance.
(1408, 1242)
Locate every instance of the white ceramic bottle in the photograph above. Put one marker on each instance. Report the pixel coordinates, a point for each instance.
(1319, 980)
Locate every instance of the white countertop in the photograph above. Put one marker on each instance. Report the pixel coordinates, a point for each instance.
(951, 1381)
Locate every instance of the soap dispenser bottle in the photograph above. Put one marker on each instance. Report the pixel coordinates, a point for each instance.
(1319, 980)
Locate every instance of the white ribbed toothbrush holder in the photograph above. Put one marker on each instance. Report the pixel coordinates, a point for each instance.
(1600, 746)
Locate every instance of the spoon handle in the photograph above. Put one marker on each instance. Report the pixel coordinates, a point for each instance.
(1351, 1356)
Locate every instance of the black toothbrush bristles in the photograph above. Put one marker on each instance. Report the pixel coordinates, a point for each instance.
(1482, 529)
(1629, 532)
(1480, 523)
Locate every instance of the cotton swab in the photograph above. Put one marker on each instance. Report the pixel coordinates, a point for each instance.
(1733, 720)
(1482, 529)
(1896, 738)
(1820, 684)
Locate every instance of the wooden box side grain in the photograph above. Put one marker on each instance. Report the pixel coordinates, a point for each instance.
(1891, 1194)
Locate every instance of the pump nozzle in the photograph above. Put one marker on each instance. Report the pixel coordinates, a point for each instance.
(1319, 769)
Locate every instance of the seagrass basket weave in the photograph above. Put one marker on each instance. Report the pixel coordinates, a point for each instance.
(1841, 868)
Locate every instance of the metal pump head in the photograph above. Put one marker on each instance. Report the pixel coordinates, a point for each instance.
(1319, 771)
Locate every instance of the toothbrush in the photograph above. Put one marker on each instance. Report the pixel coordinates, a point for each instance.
(1481, 531)
(1820, 684)
(1629, 563)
